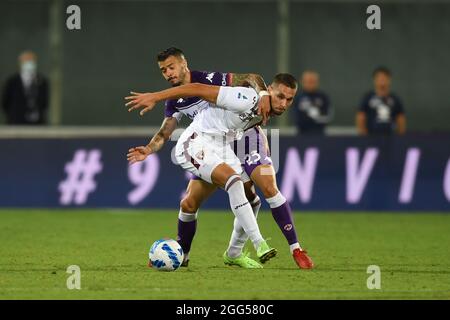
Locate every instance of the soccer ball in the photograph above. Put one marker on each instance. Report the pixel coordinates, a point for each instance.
(166, 255)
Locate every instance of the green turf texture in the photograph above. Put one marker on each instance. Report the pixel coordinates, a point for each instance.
(111, 248)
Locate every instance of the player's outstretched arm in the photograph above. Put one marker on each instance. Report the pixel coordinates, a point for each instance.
(156, 143)
(147, 101)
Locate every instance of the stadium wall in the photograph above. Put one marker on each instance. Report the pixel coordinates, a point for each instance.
(99, 67)
(335, 173)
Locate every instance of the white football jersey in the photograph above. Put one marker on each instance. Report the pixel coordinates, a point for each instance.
(234, 112)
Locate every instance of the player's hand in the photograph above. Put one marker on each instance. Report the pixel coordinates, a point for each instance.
(264, 108)
(138, 154)
(137, 100)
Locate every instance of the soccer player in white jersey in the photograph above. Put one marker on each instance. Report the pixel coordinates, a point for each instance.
(255, 160)
(204, 147)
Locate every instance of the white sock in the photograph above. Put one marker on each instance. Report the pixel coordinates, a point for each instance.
(242, 209)
(276, 201)
(187, 217)
(294, 246)
(239, 237)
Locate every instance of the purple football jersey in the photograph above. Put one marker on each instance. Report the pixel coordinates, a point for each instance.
(191, 106)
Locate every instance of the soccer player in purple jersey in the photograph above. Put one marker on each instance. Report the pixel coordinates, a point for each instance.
(255, 160)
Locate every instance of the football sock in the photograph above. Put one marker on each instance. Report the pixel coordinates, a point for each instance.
(294, 246)
(187, 225)
(282, 213)
(242, 209)
(239, 237)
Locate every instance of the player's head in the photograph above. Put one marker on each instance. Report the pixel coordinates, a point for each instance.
(282, 91)
(382, 80)
(310, 81)
(173, 66)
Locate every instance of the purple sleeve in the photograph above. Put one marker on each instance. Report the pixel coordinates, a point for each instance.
(212, 78)
(169, 108)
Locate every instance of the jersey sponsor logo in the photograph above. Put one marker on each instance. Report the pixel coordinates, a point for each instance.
(200, 155)
(192, 115)
(210, 76)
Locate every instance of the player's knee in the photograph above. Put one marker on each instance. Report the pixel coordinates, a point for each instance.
(269, 191)
(189, 205)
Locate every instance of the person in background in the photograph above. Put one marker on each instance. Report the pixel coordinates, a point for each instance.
(25, 94)
(381, 111)
(312, 106)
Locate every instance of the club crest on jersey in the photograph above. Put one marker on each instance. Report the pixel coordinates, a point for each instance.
(200, 155)
(210, 76)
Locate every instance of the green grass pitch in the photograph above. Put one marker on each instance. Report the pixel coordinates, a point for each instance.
(111, 248)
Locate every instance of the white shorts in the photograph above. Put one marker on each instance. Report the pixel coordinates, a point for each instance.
(200, 153)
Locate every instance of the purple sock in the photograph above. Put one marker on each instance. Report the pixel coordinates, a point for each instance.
(186, 232)
(283, 217)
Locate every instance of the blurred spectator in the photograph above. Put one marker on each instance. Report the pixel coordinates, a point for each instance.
(381, 111)
(311, 106)
(25, 95)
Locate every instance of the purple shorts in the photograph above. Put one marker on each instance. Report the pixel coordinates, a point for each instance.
(252, 150)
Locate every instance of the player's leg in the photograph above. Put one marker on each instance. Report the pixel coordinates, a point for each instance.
(238, 236)
(234, 254)
(264, 178)
(206, 158)
(196, 192)
(226, 177)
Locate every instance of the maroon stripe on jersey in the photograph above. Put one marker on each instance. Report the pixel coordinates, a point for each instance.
(185, 152)
(257, 140)
(247, 145)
